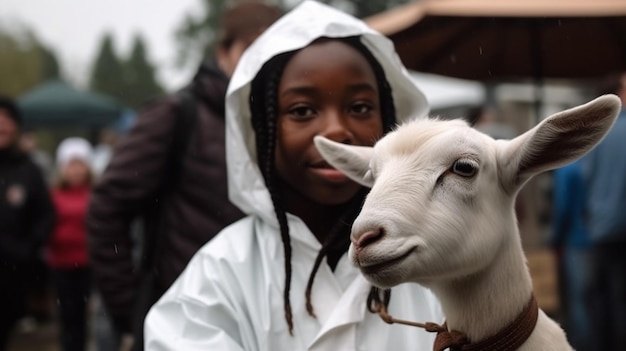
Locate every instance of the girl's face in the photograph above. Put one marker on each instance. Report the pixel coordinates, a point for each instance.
(328, 89)
(75, 173)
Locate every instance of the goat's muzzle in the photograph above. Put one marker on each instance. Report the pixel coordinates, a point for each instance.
(361, 240)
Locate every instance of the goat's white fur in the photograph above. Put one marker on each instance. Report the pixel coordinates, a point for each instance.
(458, 235)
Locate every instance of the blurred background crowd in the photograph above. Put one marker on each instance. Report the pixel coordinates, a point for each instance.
(503, 66)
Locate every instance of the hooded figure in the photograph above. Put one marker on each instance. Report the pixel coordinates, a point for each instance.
(231, 296)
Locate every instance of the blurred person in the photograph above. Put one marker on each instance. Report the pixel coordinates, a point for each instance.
(570, 240)
(280, 278)
(29, 144)
(606, 183)
(26, 219)
(170, 169)
(39, 302)
(66, 251)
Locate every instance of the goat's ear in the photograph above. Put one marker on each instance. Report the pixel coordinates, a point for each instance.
(353, 161)
(556, 141)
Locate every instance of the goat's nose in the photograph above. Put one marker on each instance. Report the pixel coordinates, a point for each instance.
(363, 239)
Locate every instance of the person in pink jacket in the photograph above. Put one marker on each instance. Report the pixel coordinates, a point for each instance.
(67, 255)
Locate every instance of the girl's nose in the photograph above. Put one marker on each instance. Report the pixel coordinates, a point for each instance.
(337, 128)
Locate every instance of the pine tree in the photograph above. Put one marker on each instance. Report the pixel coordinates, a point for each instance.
(49, 64)
(24, 62)
(107, 76)
(196, 36)
(141, 82)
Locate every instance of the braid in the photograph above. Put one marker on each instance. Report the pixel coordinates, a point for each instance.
(373, 299)
(337, 242)
(272, 185)
(264, 120)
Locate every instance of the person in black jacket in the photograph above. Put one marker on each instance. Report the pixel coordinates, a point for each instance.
(185, 192)
(26, 219)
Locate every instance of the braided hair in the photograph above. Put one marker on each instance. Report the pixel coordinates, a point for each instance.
(263, 108)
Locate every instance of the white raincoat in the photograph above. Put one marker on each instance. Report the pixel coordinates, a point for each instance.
(230, 296)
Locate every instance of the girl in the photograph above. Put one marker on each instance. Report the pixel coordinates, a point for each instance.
(280, 279)
(67, 250)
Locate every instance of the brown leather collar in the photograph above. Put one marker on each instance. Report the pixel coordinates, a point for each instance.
(508, 339)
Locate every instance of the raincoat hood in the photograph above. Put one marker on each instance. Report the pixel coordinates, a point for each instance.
(295, 30)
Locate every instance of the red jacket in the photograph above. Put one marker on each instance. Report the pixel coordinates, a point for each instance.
(67, 247)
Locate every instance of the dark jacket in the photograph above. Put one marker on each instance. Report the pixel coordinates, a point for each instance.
(190, 210)
(26, 210)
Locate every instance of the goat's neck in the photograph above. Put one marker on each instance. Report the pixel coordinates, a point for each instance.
(486, 302)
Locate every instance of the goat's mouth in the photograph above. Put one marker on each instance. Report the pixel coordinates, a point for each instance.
(377, 266)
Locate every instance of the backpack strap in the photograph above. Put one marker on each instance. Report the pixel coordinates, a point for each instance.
(186, 122)
(153, 229)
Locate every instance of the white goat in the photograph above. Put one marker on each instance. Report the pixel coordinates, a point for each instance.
(441, 212)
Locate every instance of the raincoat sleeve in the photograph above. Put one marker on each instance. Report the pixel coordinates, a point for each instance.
(199, 312)
(129, 184)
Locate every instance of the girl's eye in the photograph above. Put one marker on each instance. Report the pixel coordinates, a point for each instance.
(464, 168)
(361, 108)
(302, 111)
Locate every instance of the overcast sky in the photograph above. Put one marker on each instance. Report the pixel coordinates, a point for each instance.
(73, 28)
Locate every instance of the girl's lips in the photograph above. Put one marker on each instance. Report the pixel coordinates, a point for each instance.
(326, 171)
(330, 174)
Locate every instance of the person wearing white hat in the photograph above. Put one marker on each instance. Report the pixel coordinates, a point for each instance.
(76, 150)
(66, 251)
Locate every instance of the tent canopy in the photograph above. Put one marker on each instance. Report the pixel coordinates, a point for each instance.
(59, 105)
(495, 40)
(402, 17)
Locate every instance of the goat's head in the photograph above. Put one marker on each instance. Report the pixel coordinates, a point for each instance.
(442, 197)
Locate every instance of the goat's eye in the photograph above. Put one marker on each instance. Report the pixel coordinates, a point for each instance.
(464, 168)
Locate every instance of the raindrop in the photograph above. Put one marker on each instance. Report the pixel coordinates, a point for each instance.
(115, 246)
(480, 50)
